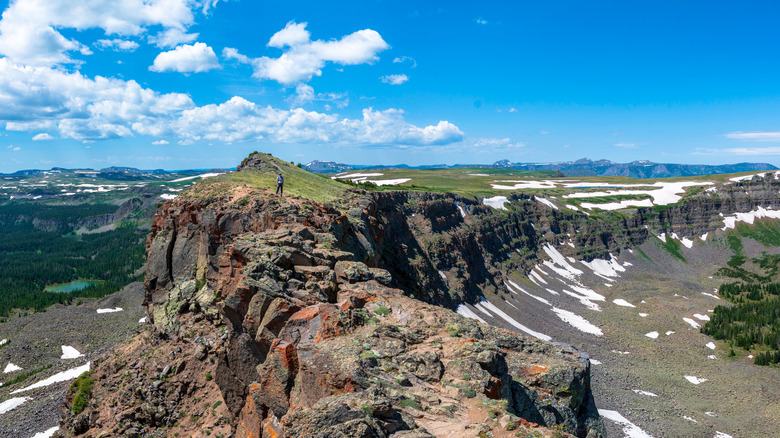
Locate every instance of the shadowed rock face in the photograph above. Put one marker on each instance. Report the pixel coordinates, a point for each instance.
(303, 334)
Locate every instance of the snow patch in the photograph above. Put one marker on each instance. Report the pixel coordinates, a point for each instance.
(701, 317)
(710, 414)
(116, 309)
(640, 392)
(711, 345)
(540, 299)
(652, 335)
(643, 315)
(3, 341)
(462, 211)
(10, 368)
(721, 435)
(496, 202)
(617, 205)
(388, 182)
(670, 332)
(704, 236)
(572, 207)
(168, 196)
(711, 295)
(468, 313)
(187, 178)
(621, 352)
(606, 268)
(59, 377)
(69, 352)
(630, 429)
(695, 380)
(693, 323)
(443, 277)
(687, 242)
(623, 303)
(482, 309)
(514, 323)
(46, 433)
(536, 278)
(577, 322)
(12, 404)
(547, 202)
(712, 356)
(595, 362)
(689, 418)
(749, 217)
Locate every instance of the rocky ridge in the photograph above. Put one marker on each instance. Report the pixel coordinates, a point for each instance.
(275, 317)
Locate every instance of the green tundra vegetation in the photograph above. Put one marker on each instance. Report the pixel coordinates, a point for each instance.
(39, 249)
(753, 323)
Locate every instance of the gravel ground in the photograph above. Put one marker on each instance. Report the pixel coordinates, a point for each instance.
(35, 341)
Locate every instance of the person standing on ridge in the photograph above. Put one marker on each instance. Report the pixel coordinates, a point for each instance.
(280, 184)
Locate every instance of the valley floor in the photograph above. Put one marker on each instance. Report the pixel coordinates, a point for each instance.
(638, 318)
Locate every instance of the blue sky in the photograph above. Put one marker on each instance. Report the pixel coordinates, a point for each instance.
(201, 83)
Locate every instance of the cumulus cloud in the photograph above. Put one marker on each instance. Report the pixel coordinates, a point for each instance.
(186, 58)
(117, 44)
(754, 136)
(85, 109)
(303, 58)
(30, 29)
(42, 136)
(305, 93)
(171, 38)
(394, 79)
(402, 59)
(159, 142)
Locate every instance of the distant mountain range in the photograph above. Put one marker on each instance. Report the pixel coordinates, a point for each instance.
(581, 167)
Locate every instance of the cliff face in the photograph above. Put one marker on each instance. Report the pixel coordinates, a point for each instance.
(275, 317)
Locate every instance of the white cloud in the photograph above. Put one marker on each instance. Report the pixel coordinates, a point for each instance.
(40, 98)
(160, 142)
(625, 145)
(303, 58)
(42, 136)
(403, 59)
(481, 21)
(749, 151)
(293, 34)
(240, 120)
(14, 148)
(171, 38)
(394, 79)
(30, 29)
(305, 93)
(501, 144)
(117, 44)
(196, 58)
(754, 136)
(512, 110)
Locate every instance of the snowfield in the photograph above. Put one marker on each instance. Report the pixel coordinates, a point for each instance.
(577, 322)
(630, 429)
(496, 202)
(695, 380)
(12, 404)
(59, 377)
(69, 352)
(729, 222)
(116, 309)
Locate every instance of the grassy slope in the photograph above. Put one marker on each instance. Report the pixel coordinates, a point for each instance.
(297, 182)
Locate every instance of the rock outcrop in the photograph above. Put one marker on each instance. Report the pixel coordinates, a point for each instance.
(286, 317)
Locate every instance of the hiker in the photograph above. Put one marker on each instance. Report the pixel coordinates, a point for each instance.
(280, 184)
